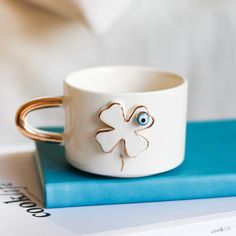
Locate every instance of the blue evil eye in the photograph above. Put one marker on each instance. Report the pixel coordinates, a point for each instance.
(142, 118)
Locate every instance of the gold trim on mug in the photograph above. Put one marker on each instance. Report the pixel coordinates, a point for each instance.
(34, 133)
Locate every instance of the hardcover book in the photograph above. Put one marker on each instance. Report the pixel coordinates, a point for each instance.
(209, 171)
(21, 209)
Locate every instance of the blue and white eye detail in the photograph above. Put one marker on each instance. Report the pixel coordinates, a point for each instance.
(142, 118)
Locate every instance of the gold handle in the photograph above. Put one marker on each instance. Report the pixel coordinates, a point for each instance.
(34, 133)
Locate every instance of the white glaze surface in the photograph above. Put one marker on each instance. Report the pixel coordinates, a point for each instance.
(166, 137)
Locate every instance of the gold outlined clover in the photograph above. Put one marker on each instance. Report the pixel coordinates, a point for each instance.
(124, 129)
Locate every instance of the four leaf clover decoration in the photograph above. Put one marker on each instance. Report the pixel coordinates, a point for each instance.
(121, 128)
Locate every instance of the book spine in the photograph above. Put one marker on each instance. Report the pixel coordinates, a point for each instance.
(222, 224)
(87, 193)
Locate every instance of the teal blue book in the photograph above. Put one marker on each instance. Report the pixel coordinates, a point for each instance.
(209, 170)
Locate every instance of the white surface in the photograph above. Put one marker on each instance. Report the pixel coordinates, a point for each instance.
(101, 15)
(167, 104)
(192, 37)
(195, 217)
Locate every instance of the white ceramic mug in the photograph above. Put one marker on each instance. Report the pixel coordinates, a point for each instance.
(120, 121)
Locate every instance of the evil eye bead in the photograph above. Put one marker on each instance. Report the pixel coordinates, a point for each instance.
(142, 118)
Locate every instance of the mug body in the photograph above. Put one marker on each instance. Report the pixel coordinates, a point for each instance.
(95, 100)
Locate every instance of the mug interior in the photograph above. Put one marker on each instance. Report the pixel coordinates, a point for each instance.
(123, 79)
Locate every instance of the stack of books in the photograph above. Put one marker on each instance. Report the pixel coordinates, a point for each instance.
(43, 195)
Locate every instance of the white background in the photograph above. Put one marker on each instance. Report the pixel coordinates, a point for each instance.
(193, 37)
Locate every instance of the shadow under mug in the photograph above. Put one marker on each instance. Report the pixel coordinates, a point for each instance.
(120, 121)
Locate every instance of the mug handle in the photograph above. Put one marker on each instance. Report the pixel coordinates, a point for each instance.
(34, 133)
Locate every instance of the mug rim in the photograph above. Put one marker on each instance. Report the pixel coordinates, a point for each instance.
(68, 77)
